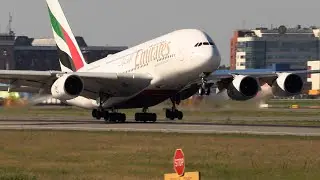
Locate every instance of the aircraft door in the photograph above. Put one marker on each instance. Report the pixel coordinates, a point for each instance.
(180, 54)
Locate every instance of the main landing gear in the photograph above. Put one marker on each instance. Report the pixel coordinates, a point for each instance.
(111, 117)
(173, 112)
(102, 113)
(145, 116)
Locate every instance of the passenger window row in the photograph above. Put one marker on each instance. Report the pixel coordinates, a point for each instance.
(204, 43)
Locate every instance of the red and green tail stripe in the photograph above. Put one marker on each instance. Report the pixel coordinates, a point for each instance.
(61, 32)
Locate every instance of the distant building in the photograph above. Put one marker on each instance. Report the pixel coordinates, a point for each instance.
(314, 79)
(262, 47)
(25, 53)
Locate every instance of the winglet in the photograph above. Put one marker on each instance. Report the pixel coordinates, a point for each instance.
(70, 55)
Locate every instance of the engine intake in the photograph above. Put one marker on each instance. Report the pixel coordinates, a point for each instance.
(243, 88)
(67, 87)
(287, 84)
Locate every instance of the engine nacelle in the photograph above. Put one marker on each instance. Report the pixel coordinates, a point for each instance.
(287, 84)
(243, 88)
(67, 87)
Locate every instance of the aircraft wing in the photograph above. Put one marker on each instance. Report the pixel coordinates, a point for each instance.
(263, 76)
(224, 74)
(112, 84)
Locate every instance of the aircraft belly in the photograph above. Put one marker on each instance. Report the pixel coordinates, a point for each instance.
(146, 98)
(111, 102)
(160, 90)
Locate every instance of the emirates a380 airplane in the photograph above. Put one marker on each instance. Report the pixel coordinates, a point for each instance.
(174, 66)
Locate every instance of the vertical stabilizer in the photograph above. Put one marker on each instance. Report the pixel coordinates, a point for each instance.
(71, 58)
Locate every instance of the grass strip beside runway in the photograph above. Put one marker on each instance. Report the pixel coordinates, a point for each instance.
(131, 155)
(294, 117)
(246, 112)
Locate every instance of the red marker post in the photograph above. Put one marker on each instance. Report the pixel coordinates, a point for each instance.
(178, 162)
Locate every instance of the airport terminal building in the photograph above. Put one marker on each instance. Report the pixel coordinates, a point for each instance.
(262, 47)
(25, 53)
(292, 48)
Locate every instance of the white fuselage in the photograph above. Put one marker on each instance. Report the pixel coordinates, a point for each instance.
(172, 60)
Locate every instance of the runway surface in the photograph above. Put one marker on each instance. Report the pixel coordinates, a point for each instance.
(69, 123)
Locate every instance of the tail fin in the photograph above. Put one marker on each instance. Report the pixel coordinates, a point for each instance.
(71, 58)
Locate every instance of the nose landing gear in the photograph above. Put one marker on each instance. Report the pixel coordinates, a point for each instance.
(205, 88)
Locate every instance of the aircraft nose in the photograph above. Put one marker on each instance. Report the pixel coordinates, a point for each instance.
(208, 58)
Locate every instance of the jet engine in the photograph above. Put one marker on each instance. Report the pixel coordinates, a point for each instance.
(287, 84)
(243, 88)
(67, 87)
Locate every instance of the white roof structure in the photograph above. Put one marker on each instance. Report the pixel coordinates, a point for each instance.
(43, 42)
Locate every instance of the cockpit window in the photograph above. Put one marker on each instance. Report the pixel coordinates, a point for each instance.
(204, 43)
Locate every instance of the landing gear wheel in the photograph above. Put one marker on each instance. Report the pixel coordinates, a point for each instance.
(153, 117)
(169, 114)
(94, 113)
(179, 115)
(122, 118)
(145, 117)
(98, 115)
(113, 117)
(172, 114)
(208, 91)
(109, 117)
(117, 117)
(106, 115)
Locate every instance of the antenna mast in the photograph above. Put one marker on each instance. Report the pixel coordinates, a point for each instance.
(9, 27)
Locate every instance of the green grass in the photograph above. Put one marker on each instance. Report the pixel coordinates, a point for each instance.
(245, 112)
(132, 155)
(219, 116)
